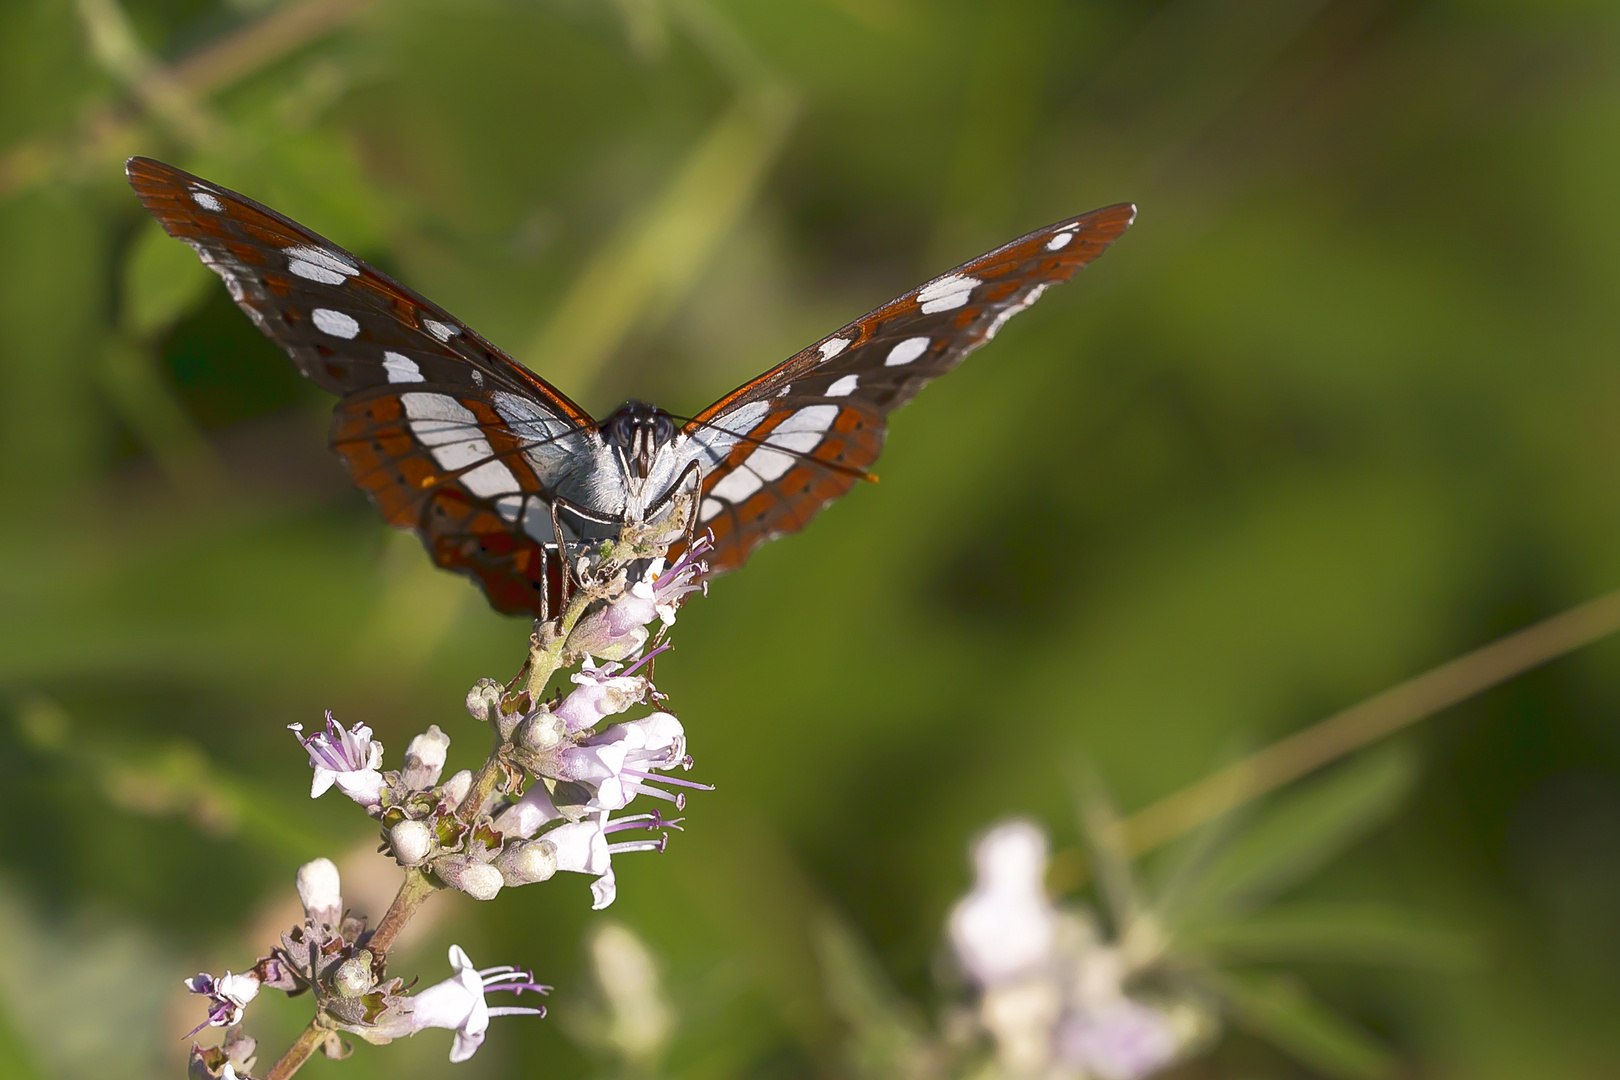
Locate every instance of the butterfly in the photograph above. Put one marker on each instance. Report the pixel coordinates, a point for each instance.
(501, 475)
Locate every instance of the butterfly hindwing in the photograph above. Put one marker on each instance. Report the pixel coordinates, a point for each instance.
(445, 433)
(809, 427)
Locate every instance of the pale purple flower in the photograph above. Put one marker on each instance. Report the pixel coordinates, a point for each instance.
(601, 693)
(349, 759)
(458, 1003)
(583, 848)
(1005, 928)
(1123, 1040)
(620, 629)
(524, 817)
(619, 762)
(227, 996)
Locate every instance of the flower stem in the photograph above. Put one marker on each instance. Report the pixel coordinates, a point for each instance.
(1380, 715)
(412, 893)
(302, 1049)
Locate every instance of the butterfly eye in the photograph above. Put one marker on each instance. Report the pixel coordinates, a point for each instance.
(663, 430)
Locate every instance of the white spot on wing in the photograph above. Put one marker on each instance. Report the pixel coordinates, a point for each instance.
(442, 331)
(710, 509)
(462, 453)
(905, 352)
(802, 441)
(1060, 241)
(437, 418)
(844, 386)
(815, 418)
(1030, 297)
(206, 201)
(830, 349)
(738, 485)
(947, 293)
(311, 272)
(489, 479)
(401, 368)
(509, 506)
(769, 464)
(335, 323)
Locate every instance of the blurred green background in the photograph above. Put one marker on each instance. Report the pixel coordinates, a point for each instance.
(1340, 406)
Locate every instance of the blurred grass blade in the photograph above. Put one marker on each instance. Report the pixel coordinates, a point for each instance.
(887, 1040)
(1099, 824)
(1345, 933)
(1305, 828)
(639, 275)
(1279, 1011)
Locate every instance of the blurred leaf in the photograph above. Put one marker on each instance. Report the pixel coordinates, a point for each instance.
(147, 403)
(164, 281)
(1304, 828)
(1347, 933)
(1279, 1010)
(86, 993)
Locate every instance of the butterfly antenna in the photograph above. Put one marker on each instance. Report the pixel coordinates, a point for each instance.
(802, 455)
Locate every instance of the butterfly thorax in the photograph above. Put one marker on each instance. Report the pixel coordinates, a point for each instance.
(642, 439)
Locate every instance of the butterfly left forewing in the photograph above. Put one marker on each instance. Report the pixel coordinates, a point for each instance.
(445, 433)
(779, 448)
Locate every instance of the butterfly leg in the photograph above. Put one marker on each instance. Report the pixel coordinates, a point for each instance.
(695, 471)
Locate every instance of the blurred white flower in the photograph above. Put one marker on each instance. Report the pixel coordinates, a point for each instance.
(641, 1020)
(1004, 929)
(458, 1003)
(1051, 992)
(1122, 1040)
(349, 759)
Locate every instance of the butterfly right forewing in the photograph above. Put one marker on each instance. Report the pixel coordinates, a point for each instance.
(784, 445)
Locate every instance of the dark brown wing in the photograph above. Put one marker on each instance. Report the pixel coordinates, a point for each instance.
(801, 434)
(444, 431)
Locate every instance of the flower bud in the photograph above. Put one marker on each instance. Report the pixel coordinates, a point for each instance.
(541, 731)
(321, 892)
(528, 862)
(353, 978)
(484, 699)
(455, 789)
(481, 881)
(424, 759)
(411, 842)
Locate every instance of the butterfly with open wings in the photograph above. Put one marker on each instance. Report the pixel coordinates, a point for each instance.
(492, 466)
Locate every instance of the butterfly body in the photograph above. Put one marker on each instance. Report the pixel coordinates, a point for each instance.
(498, 472)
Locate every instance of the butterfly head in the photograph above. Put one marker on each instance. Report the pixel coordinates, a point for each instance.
(638, 432)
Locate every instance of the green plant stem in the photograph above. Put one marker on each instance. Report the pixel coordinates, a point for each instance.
(415, 889)
(302, 1049)
(1370, 720)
